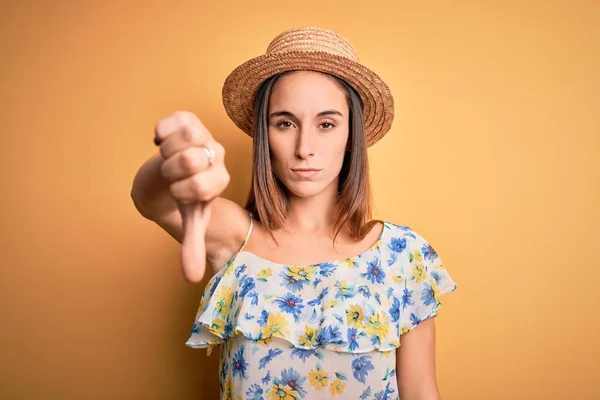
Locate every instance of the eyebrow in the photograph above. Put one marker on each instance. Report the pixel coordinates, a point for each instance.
(291, 115)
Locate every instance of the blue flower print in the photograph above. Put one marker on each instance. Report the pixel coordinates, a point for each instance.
(264, 316)
(224, 369)
(345, 290)
(254, 392)
(239, 270)
(374, 272)
(352, 336)
(267, 378)
(395, 310)
(290, 304)
(303, 354)
(330, 334)
(397, 244)
(247, 286)
(319, 298)
(437, 277)
(428, 295)
(269, 357)
(228, 329)
(239, 365)
(392, 259)
(291, 283)
(254, 297)
(365, 291)
(366, 394)
(361, 367)
(414, 319)
(384, 394)
(214, 286)
(293, 379)
(326, 268)
(407, 298)
(428, 252)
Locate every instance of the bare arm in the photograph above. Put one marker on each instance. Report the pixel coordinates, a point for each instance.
(415, 363)
(150, 191)
(180, 175)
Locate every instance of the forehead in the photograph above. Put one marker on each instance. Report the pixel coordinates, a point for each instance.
(307, 91)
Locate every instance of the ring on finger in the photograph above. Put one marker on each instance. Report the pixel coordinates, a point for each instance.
(210, 154)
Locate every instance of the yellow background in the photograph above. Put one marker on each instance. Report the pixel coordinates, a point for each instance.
(493, 157)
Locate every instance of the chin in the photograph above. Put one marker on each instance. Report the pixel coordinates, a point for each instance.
(305, 189)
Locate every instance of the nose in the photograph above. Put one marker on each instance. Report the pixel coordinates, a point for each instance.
(306, 144)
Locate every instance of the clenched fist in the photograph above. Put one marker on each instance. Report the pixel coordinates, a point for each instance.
(194, 166)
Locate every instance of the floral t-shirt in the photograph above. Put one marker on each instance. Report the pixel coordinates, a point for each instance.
(319, 331)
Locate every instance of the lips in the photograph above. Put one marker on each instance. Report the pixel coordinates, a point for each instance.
(306, 172)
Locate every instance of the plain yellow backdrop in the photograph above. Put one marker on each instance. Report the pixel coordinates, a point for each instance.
(493, 157)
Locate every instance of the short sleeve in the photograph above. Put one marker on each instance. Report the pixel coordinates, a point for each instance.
(425, 280)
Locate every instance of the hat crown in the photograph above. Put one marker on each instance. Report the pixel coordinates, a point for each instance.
(313, 39)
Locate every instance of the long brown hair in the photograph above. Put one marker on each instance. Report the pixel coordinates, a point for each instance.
(267, 199)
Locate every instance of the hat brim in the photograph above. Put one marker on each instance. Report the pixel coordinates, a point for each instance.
(239, 89)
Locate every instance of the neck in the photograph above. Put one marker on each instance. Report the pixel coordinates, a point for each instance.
(315, 214)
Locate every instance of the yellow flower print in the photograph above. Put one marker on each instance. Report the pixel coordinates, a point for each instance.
(318, 378)
(346, 290)
(397, 279)
(281, 392)
(416, 256)
(309, 337)
(228, 268)
(228, 392)
(216, 326)
(331, 304)
(276, 325)
(349, 263)
(377, 325)
(404, 330)
(419, 273)
(264, 342)
(337, 387)
(355, 316)
(224, 299)
(301, 273)
(264, 273)
(434, 287)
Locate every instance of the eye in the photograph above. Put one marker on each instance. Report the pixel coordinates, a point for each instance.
(283, 124)
(328, 125)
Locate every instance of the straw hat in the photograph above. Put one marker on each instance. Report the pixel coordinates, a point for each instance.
(315, 49)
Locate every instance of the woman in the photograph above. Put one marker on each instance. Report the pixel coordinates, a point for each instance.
(310, 297)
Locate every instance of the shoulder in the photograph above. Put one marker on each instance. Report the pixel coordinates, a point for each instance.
(227, 228)
(402, 238)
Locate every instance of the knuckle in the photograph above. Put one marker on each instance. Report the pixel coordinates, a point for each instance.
(188, 161)
(226, 178)
(175, 190)
(182, 117)
(190, 134)
(159, 129)
(199, 187)
(219, 150)
(203, 188)
(164, 170)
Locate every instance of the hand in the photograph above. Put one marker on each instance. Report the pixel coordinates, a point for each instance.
(194, 181)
